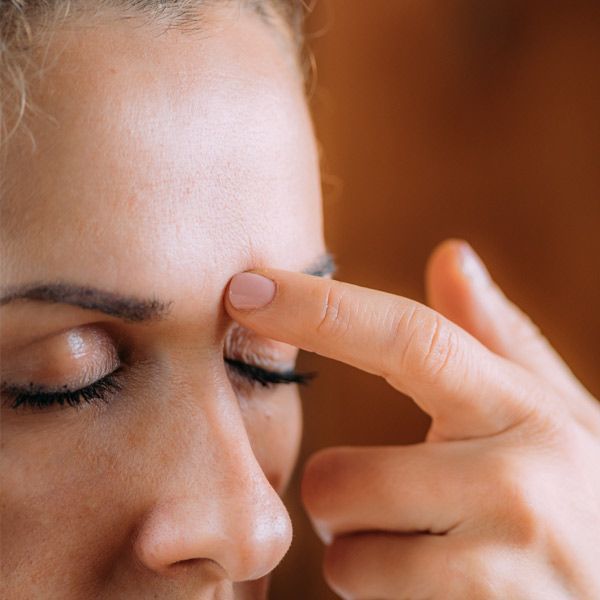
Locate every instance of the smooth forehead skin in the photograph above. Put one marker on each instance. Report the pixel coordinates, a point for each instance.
(163, 163)
(197, 146)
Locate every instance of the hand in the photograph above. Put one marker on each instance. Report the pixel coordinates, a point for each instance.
(503, 498)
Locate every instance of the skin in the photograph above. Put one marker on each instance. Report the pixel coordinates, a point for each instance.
(171, 489)
(164, 162)
(503, 498)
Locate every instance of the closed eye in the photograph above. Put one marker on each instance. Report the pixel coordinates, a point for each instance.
(106, 387)
(265, 377)
(101, 390)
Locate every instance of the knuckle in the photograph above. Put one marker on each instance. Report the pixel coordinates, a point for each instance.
(334, 319)
(472, 572)
(432, 346)
(516, 493)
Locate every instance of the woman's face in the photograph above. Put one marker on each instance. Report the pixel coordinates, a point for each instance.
(156, 165)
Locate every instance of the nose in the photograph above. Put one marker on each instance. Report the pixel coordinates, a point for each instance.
(219, 508)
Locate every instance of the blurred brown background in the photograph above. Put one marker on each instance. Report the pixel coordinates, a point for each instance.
(477, 119)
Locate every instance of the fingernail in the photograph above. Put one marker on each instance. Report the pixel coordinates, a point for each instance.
(249, 291)
(472, 266)
(322, 532)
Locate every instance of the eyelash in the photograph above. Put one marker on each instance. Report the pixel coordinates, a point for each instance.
(104, 388)
(265, 378)
(99, 391)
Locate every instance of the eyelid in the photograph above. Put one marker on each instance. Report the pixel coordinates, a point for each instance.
(22, 325)
(246, 346)
(39, 398)
(72, 359)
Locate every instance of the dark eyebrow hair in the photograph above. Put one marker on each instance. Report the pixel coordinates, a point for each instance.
(127, 308)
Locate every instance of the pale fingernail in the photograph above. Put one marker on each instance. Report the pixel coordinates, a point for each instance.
(322, 532)
(248, 291)
(472, 266)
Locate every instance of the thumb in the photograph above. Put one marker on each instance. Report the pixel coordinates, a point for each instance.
(460, 287)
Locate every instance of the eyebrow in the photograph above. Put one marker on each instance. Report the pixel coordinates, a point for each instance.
(126, 308)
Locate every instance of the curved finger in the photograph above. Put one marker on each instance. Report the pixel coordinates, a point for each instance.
(388, 567)
(407, 489)
(460, 287)
(467, 390)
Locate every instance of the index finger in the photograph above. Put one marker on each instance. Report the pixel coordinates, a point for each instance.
(468, 391)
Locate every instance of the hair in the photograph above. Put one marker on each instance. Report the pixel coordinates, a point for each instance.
(23, 22)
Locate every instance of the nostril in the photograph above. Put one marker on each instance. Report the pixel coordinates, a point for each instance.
(195, 564)
(240, 536)
(187, 562)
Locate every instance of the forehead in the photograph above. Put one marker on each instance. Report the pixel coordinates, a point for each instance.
(163, 158)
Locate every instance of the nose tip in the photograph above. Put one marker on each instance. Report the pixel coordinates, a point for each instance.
(260, 546)
(247, 540)
(212, 507)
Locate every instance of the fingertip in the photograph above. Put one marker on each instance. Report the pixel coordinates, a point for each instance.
(448, 247)
(450, 285)
(250, 291)
(444, 257)
(454, 263)
(473, 268)
(443, 275)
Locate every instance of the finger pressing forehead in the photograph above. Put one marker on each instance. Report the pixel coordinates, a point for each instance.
(467, 390)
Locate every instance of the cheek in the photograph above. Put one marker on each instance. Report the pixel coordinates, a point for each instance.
(54, 504)
(273, 421)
